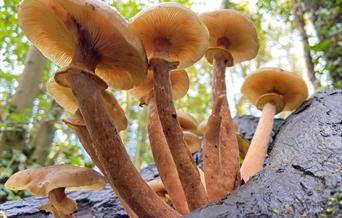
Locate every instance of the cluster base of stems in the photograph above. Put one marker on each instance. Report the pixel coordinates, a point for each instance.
(187, 170)
(257, 150)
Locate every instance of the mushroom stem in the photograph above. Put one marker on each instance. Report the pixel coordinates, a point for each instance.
(85, 139)
(111, 152)
(229, 148)
(211, 157)
(163, 159)
(257, 151)
(186, 167)
(62, 206)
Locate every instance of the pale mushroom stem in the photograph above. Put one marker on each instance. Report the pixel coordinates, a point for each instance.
(186, 167)
(62, 206)
(163, 159)
(229, 149)
(211, 157)
(111, 152)
(85, 139)
(257, 151)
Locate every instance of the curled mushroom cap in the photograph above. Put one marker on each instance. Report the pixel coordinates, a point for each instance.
(43, 180)
(122, 60)
(179, 85)
(158, 187)
(186, 121)
(62, 95)
(286, 90)
(66, 99)
(192, 140)
(172, 32)
(233, 31)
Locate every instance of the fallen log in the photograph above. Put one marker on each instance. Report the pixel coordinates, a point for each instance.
(301, 175)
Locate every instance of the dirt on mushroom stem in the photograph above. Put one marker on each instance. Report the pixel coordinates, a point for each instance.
(229, 149)
(257, 150)
(163, 159)
(186, 167)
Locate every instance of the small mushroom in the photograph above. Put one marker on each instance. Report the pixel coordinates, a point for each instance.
(52, 182)
(158, 187)
(233, 39)
(94, 43)
(271, 90)
(192, 141)
(173, 37)
(187, 121)
(160, 150)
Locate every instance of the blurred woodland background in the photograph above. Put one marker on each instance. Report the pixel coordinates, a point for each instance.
(300, 36)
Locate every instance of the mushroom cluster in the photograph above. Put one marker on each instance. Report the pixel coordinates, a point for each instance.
(97, 48)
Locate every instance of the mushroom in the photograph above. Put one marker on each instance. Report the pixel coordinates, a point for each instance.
(187, 121)
(94, 42)
(271, 90)
(158, 187)
(160, 150)
(173, 37)
(233, 39)
(52, 181)
(192, 141)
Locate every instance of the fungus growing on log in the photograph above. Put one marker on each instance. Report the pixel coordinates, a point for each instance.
(271, 90)
(93, 41)
(233, 39)
(173, 42)
(52, 182)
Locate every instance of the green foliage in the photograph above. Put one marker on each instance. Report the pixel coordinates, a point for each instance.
(333, 207)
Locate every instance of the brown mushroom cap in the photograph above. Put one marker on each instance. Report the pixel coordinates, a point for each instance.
(179, 85)
(202, 127)
(186, 121)
(43, 180)
(63, 96)
(233, 31)
(66, 99)
(192, 140)
(158, 187)
(276, 85)
(173, 30)
(122, 58)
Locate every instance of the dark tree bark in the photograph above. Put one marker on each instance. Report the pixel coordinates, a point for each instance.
(302, 172)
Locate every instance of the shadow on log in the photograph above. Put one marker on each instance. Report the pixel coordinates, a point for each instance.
(303, 171)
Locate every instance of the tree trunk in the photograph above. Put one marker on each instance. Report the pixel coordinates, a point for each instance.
(30, 79)
(298, 15)
(42, 141)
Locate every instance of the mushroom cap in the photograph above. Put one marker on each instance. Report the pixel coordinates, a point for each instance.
(278, 82)
(186, 121)
(158, 187)
(173, 30)
(192, 140)
(123, 62)
(62, 95)
(179, 85)
(202, 127)
(66, 99)
(42, 180)
(242, 40)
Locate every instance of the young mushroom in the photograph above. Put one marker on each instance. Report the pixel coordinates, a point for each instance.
(233, 39)
(193, 141)
(93, 41)
(187, 122)
(173, 37)
(160, 150)
(52, 181)
(271, 90)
